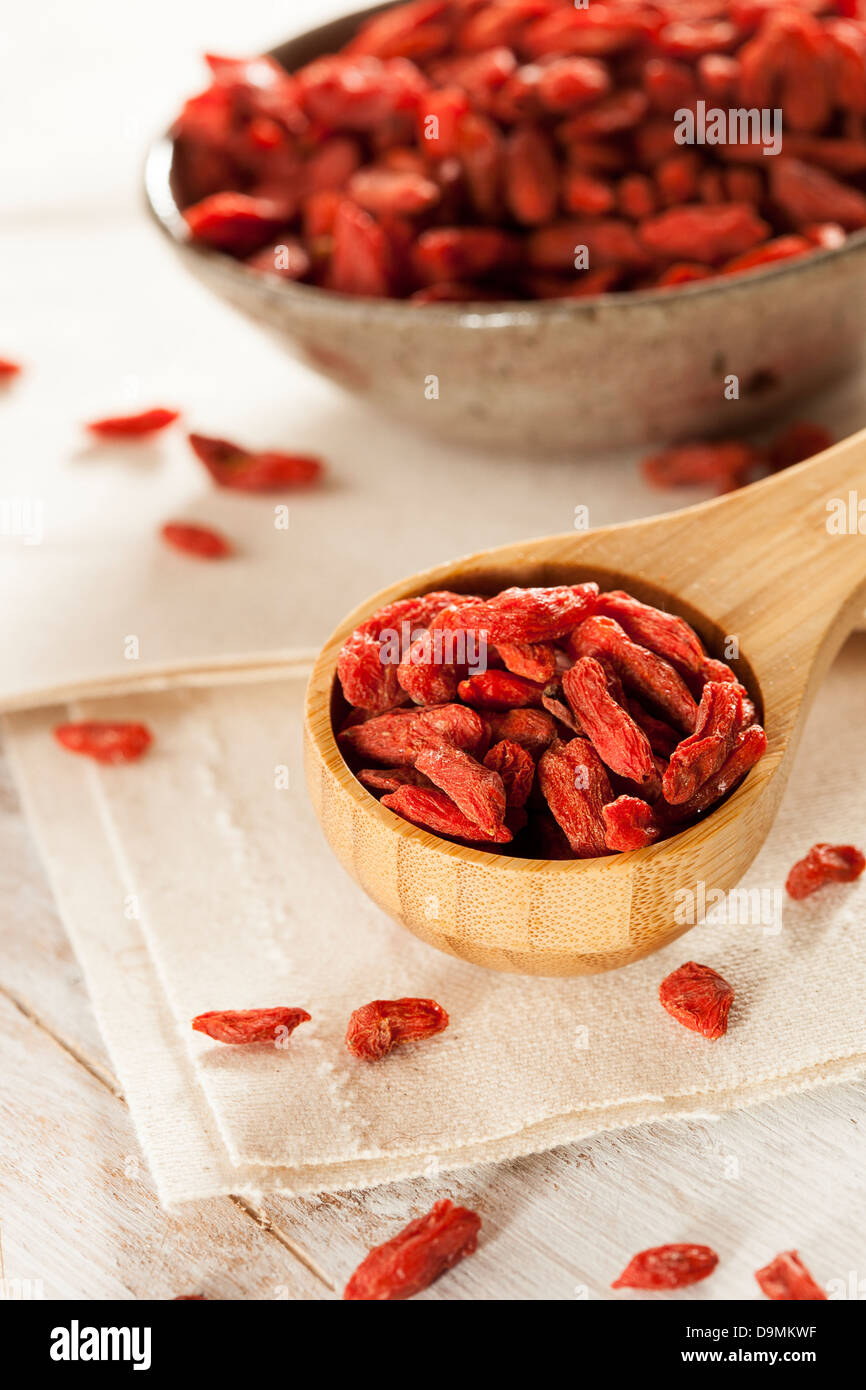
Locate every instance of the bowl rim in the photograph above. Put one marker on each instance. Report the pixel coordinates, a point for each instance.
(317, 701)
(469, 313)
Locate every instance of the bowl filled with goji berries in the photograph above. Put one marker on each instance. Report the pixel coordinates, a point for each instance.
(537, 224)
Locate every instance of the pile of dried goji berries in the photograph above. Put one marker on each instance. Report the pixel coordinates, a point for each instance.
(460, 149)
(561, 722)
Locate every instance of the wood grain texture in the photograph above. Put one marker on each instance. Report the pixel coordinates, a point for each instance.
(759, 565)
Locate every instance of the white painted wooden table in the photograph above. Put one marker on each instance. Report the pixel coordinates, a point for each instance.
(78, 1210)
(77, 1206)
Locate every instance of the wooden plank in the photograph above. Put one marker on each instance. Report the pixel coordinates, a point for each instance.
(562, 1225)
(38, 967)
(77, 1207)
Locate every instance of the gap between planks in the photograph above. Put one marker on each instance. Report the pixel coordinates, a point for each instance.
(110, 1082)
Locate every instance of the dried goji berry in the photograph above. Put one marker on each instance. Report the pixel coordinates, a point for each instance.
(236, 222)
(786, 1278)
(105, 742)
(706, 234)
(460, 253)
(369, 682)
(250, 1025)
(531, 176)
(613, 733)
(8, 369)
(396, 738)
(664, 633)
(393, 192)
(388, 779)
(422, 1251)
(640, 670)
(359, 259)
(749, 747)
(584, 193)
(133, 426)
(726, 464)
(780, 248)
(575, 786)
(524, 615)
(474, 787)
(245, 471)
(629, 823)
(824, 864)
(500, 690)
(697, 757)
(798, 442)
(377, 1027)
(668, 1267)
(434, 810)
(196, 540)
(806, 194)
(515, 767)
(534, 660)
(532, 729)
(698, 998)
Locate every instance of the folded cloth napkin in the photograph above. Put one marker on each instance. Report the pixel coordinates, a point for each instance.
(198, 879)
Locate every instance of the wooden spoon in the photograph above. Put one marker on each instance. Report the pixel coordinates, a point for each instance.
(764, 566)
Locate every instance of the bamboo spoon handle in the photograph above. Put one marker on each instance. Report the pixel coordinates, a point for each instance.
(782, 561)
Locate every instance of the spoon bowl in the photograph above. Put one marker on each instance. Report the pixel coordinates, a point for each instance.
(767, 569)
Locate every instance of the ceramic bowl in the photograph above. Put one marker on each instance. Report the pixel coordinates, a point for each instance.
(611, 371)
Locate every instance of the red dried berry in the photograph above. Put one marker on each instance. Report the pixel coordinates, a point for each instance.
(725, 464)
(664, 633)
(749, 747)
(639, 669)
(525, 615)
(250, 1025)
(133, 426)
(244, 471)
(500, 690)
(376, 1028)
(696, 758)
(668, 1267)
(698, 998)
(236, 222)
(515, 767)
(377, 779)
(824, 864)
(532, 729)
(798, 442)
(786, 1278)
(474, 787)
(536, 661)
(629, 823)
(201, 541)
(412, 1260)
(8, 369)
(434, 810)
(615, 736)
(105, 742)
(575, 786)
